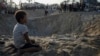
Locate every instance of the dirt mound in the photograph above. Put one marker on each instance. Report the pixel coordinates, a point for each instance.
(92, 28)
(55, 46)
(7, 23)
(33, 14)
(70, 22)
(56, 24)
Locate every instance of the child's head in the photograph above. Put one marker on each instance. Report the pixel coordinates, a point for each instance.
(21, 16)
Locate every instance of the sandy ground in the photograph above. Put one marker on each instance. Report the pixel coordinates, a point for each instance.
(58, 45)
(56, 27)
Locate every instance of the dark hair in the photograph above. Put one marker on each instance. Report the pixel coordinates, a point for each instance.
(19, 15)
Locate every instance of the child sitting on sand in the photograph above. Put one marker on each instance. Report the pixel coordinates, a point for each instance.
(20, 34)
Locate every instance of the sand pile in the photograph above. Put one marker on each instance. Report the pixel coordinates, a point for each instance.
(92, 28)
(7, 23)
(76, 23)
(59, 45)
(70, 22)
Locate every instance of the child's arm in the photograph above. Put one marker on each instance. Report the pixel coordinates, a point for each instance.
(26, 37)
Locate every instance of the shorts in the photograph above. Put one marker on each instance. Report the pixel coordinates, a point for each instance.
(28, 45)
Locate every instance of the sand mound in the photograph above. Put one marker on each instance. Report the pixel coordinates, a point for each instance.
(70, 22)
(93, 28)
(57, 45)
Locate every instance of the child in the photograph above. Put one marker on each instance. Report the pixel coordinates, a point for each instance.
(20, 34)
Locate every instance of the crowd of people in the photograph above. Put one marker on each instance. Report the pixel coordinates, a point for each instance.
(7, 9)
(72, 7)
